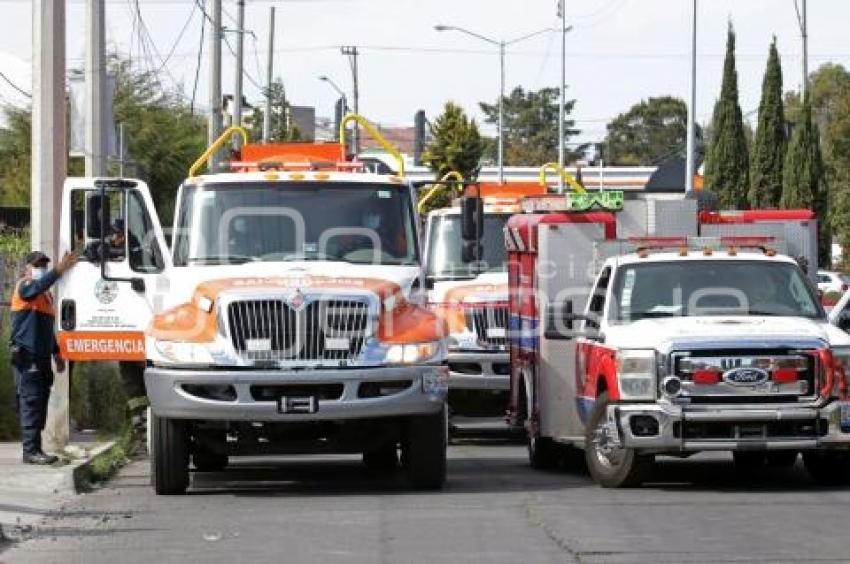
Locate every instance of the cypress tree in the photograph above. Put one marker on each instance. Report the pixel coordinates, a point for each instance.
(803, 178)
(726, 166)
(770, 141)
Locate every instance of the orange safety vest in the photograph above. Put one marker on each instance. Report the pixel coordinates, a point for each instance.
(42, 303)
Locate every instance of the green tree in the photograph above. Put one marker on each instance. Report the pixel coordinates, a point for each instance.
(163, 136)
(726, 166)
(769, 146)
(803, 177)
(283, 129)
(531, 126)
(456, 145)
(648, 133)
(829, 93)
(16, 156)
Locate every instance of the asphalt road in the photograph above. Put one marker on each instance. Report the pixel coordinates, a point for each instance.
(494, 509)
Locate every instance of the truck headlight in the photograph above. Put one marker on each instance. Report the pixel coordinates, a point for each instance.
(842, 362)
(414, 353)
(636, 374)
(179, 352)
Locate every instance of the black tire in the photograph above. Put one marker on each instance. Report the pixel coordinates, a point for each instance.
(611, 466)
(381, 461)
(543, 452)
(749, 461)
(209, 461)
(782, 458)
(424, 450)
(170, 456)
(828, 468)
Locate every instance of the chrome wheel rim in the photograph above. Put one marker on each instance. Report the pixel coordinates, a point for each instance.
(607, 452)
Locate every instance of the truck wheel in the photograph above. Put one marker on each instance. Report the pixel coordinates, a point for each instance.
(381, 461)
(542, 452)
(209, 461)
(611, 465)
(424, 450)
(170, 456)
(828, 468)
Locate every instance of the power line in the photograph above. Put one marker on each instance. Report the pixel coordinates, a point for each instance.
(198, 65)
(8, 81)
(180, 37)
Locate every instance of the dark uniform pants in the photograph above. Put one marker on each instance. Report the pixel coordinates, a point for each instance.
(33, 381)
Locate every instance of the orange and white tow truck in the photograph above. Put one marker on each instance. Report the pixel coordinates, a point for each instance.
(278, 320)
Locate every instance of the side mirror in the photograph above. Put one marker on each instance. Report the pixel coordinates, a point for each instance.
(472, 218)
(560, 323)
(96, 205)
(844, 322)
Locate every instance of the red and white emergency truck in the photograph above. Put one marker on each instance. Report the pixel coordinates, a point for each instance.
(637, 329)
(278, 320)
(468, 287)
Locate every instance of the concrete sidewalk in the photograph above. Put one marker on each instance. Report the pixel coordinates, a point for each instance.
(28, 493)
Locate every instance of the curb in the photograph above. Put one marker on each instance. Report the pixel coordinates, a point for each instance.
(81, 471)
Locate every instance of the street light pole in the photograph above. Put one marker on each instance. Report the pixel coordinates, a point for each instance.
(804, 32)
(502, 45)
(563, 90)
(690, 163)
(502, 113)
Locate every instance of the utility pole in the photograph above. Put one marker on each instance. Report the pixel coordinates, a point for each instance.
(804, 31)
(692, 101)
(214, 124)
(122, 151)
(240, 59)
(352, 53)
(95, 88)
(267, 116)
(562, 12)
(49, 161)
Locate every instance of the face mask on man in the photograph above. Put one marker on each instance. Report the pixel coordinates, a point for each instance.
(38, 272)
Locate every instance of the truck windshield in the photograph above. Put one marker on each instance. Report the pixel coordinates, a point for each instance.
(277, 222)
(698, 288)
(444, 247)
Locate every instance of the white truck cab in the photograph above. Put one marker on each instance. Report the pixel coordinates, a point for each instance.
(279, 321)
(671, 344)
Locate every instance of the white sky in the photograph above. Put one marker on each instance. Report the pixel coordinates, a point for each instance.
(619, 51)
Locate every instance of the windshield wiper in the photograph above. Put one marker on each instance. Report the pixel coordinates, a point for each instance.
(313, 257)
(765, 313)
(224, 259)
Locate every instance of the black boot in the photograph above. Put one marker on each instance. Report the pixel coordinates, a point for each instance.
(40, 458)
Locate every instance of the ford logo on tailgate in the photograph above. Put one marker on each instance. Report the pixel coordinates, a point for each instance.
(745, 376)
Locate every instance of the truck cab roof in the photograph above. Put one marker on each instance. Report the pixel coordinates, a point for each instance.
(695, 255)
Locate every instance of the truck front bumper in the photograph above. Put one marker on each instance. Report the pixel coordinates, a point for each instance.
(673, 428)
(474, 370)
(254, 395)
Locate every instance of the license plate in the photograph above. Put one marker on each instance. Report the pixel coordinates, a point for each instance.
(496, 333)
(297, 404)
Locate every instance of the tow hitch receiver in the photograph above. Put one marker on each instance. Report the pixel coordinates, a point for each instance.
(298, 404)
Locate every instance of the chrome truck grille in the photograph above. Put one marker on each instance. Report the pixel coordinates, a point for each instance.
(489, 323)
(747, 376)
(321, 330)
